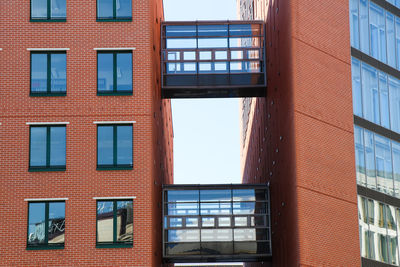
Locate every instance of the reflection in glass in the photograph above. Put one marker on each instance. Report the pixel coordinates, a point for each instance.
(370, 93)
(58, 8)
(124, 145)
(363, 224)
(356, 87)
(224, 222)
(124, 72)
(221, 55)
(354, 33)
(183, 196)
(192, 222)
(124, 221)
(56, 232)
(212, 30)
(215, 195)
(212, 42)
(245, 234)
(215, 208)
(181, 43)
(105, 9)
(383, 161)
(181, 249)
(359, 153)
(124, 8)
(105, 80)
(105, 151)
(364, 27)
(394, 98)
(189, 55)
(38, 72)
(105, 221)
(58, 72)
(396, 167)
(240, 221)
(39, 9)
(175, 222)
(57, 146)
(384, 100)
(180, 30)
(207, 222)
(216, 248)
(183, 235)
(36, 221)
(205, 55)
(243, 195)
(370, 159)
(183, 209)
(391, 42)
(38, 142)
(216, 235)
(377, 32)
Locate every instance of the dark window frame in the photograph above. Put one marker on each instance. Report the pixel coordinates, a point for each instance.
(114, 18)
(115, 165)
(114, 91)
(115, 243)
(46, 245)
(49, 18)
(48, 92)
(48, 167)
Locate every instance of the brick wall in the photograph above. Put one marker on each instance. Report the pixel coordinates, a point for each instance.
(300, 138)
(152, 134)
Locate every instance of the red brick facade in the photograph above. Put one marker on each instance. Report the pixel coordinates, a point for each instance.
(300, 138)
(152, 133)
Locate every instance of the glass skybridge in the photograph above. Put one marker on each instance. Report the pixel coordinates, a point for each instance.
(213, 59)
(216, 223)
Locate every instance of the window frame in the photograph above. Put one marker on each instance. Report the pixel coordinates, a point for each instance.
(115, 165)
(46, 245)
(114, 18)
(114, 91)
(49, 18)
(115, 243)
(48, 92)
(48, 167)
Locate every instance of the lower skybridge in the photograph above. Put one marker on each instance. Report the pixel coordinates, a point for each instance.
(216, 223)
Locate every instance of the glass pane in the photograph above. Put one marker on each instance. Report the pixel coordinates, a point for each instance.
(364, 27)
(384, 99)
(244, 29)
(189, 55)
(174, 55)
(212, 30)
(363, 225)
(221, 55)
(38, 144)
(224, 222)
(175, 222)
(377, 32)
(252, 248)
(124, 221)
(57, 146)
(236, 54)
(216, 248)
(215, 208)
(124, 145)
(394, 98)
(396, 167)
(183, 31)
(397, 21)
(183, 209)
(192, 222)
(356, 86)
(36, 221)
(370, 93)
(360, 156)
(207, 222)
(39, 73)
(215, 195)
(39, 9)
(383, 162)
(216, 235)
(244, 195)
(240, 221)
(124, 72)
(181, 43)
(253, 54)
(370, 159)
(244, 42)
(105, 221)
(212, 42)
(105, 153)
(245, 208)
(124, 8)
(205, 67)
(58, 9)
(246, 234)
(56, 222)
(105, 81)
(58, 72)
(205, 55)
(183, 196)
(105, 9)
(183, 235)
(354, 33)
(183, 249)
(391, 40)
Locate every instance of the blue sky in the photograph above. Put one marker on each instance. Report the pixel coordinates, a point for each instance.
(206, 143)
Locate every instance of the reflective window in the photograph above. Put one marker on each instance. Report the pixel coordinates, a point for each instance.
(46, 224)
(114, 146)
(48, 73)
(114, 9)
(48, 10)
(114, 73)
(114, 222)
(377, 32)
(354, 24)
(47, 147)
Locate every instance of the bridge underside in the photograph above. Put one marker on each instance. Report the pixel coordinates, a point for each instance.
(212, 59)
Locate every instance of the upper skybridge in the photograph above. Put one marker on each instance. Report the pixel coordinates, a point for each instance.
(209, 59)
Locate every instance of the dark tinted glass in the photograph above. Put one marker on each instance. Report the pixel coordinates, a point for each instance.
(183, 249)
(124, 8)
(105, 80)
(105, 148)
(124, 72)
(124, 221)
(244, 30)
(39, 73)
(124, 145)
(39, 9)
(177, 31)
(183, 209)
(215, 195)
(56, 222)
(36, 223)
(105, 222)
(58, 9)
(217, 248)
(57, 146)
(105, 9)
(212, 30)
(251, 248)
(38, 146)
(58, 72)
(183, 196)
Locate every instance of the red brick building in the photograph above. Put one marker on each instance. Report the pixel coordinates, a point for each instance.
(82, 122)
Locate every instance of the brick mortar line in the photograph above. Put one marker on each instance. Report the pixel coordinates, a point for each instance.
(80, 115)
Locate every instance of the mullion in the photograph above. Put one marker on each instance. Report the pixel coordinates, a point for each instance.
(114, 71)
(115, 221)
(48, 9)
(115, 149)
(48, 72)
(48, 140)
(46, 223)
(114, 9)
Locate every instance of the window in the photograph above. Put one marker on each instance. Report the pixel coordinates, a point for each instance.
(46, 225)
(114, 73)
(118, 10)
(114, 147)
(47, 148)
(48, 10)
(48, 73)
(114, 223)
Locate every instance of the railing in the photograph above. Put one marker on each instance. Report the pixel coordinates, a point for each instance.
(213, 55)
